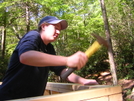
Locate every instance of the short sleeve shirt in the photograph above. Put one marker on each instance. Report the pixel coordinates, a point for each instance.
(23, 80)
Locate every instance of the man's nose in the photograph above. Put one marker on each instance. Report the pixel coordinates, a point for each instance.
(57, 31)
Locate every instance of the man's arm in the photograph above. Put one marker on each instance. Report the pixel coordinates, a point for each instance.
(77, 79)
(35, 58)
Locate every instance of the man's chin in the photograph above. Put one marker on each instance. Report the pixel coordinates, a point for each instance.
(53, 39)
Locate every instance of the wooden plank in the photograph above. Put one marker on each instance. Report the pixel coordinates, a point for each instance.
(54, 92)
(115, 97)
(132, 94)
(67, 87)
(46, 92)
(98, 99)
(79, 95)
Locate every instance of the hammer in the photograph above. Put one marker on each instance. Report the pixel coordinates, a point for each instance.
(91, 50)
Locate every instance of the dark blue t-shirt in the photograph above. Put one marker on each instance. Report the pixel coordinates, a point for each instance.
(23, 80)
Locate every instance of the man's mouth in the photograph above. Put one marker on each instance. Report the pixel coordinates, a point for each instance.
(55, 36)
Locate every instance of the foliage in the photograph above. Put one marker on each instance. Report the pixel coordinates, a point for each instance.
(122, 35)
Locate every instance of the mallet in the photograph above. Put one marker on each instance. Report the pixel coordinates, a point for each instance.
(89, 52)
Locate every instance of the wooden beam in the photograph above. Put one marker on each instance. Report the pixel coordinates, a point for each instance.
(83, 95)
(67, 87)
(132, 94)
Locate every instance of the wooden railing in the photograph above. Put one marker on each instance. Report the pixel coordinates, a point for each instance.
(54, 88)
(76, 92)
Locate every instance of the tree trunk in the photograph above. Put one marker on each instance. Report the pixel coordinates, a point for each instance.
(110, 50)
(27, 18)
(3, 38)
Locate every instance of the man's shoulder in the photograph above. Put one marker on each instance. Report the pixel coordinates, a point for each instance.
(32, 33)
(31, 36)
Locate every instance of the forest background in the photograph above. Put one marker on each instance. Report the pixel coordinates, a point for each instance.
(84, 18)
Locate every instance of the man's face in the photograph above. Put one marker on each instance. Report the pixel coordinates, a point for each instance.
(51, 31)
(57, 30)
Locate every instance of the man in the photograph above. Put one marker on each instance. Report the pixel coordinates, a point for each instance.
(32, 59)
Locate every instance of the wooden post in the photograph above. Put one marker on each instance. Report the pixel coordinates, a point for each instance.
(110, 50)
(132, 94)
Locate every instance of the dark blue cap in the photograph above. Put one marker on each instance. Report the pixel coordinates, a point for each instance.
(53, 20)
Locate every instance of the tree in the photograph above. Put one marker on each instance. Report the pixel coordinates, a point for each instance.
(110, 50)
(121, 16)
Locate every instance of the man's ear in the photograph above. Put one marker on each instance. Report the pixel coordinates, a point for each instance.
(43, 26)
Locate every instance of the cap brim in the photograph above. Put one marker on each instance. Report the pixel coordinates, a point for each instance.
(63, 23)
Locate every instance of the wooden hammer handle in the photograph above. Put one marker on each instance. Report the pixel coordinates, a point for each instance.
(91, 50)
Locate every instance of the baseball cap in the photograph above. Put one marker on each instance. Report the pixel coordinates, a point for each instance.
(53, 20)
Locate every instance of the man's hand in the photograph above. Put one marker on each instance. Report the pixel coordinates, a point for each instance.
(78, 60)
(89, 82)
(78, 79)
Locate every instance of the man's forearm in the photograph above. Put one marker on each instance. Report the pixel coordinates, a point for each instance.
(35, 58)
(78, 79)
(74, 78)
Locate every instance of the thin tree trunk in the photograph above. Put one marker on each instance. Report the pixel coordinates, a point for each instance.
(27, 18)
(3, 39)
(110, 50)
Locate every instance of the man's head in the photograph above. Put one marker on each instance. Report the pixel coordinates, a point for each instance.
(53, 20)
(50, 27)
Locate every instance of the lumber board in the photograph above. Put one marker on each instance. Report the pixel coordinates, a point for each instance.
(67, 87)
(115, 97)
(132, 94)
(88, 94)
(97, 99)
(49, 92)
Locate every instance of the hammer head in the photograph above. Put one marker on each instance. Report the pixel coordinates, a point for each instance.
(101, 40)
